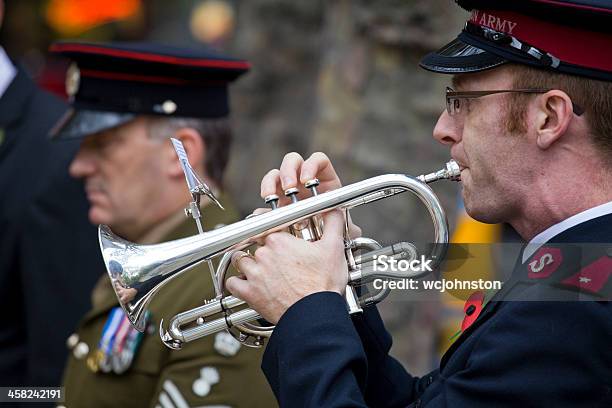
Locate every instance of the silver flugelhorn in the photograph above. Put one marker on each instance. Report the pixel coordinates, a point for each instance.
(138, 272)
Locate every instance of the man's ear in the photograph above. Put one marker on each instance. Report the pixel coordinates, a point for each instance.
(195, 148)
(553, 117)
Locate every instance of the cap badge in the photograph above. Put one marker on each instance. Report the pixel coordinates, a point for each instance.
(489, 20)
(73, 80)
(168, 107)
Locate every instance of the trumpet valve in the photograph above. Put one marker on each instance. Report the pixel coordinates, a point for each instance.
(316, 223)
(312, 186)
(292, 194)
(272, 201)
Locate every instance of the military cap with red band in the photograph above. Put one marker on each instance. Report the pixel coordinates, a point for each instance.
(573, 37)
(110, 83)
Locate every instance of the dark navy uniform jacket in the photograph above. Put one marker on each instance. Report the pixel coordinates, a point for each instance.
(516, 354)
(49, 255)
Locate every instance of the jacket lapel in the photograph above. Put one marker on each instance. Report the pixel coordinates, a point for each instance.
(486, 313)
(13, 103)
(596, 230)
(14, 100)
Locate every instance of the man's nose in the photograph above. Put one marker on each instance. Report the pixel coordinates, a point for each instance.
(83, 163)
(448, 129)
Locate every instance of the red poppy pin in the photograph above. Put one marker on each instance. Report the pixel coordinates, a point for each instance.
(472, 309)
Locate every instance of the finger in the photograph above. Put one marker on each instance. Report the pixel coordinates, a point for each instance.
(290, 170)
(238, 287)
(259, 241)
(243, 262)
(334, 225)
(277, 239)
(256, 212)
(270, 183)
(354, 229)
(319, 166)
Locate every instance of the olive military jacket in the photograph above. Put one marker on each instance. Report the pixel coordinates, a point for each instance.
(212, 371)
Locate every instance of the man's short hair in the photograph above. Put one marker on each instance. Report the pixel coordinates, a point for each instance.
(216, 134)
(594, 96)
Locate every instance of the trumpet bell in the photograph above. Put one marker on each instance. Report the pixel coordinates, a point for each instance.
(138, 272)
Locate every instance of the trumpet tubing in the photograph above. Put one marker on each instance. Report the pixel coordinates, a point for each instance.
(147, 268)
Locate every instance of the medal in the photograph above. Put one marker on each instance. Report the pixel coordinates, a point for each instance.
(101, 359)
(118, 361)
(127, 351)
(92, 364)
(117, 345)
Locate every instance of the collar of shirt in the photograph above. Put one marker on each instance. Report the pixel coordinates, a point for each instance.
(162, 229)
(7, 71)
(549, 233)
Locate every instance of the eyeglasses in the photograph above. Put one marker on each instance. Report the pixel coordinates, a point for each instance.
(453, 98)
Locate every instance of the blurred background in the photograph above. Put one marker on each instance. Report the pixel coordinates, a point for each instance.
(337, 76)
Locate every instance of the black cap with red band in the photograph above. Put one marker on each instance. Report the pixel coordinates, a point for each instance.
(568, 36)
(109, 84)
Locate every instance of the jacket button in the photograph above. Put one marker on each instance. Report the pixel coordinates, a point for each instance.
(72, 341)
(430, 380)
(80, 351)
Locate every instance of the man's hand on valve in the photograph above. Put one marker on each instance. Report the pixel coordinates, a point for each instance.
(286, 269)
(295, 172)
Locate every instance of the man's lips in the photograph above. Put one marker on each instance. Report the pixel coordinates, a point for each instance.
(461, 165)
(94, 186)
(94, 194)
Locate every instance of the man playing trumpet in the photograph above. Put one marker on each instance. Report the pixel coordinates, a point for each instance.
(529, 122)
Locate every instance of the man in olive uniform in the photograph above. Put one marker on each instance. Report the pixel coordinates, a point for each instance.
(127, 101)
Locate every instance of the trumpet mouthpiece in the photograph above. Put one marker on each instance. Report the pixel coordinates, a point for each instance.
(450, 172)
